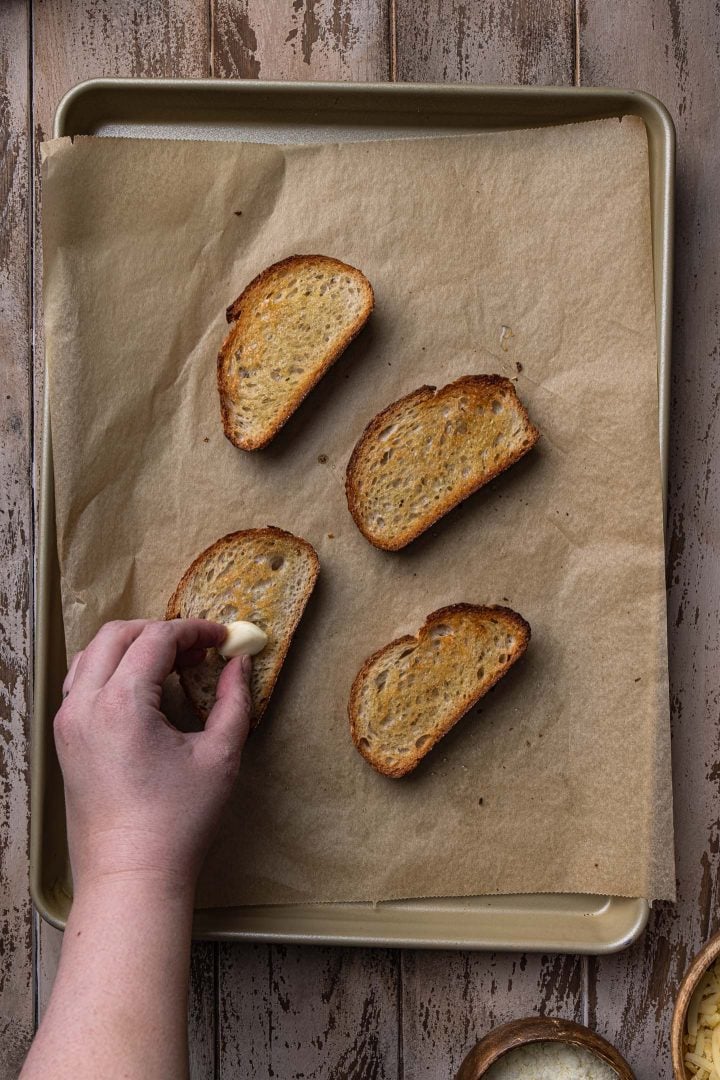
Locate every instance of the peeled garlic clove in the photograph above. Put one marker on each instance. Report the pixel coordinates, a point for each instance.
(243, 639)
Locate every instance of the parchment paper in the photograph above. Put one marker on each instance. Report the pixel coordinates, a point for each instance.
(524, 253)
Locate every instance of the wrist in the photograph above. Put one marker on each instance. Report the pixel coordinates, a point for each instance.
(145, 888)
(133, 859)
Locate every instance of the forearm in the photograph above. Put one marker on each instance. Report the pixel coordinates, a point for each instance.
(119, 1004)
(142, 799)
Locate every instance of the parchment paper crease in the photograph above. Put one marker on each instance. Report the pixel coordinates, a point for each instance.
(525, 253)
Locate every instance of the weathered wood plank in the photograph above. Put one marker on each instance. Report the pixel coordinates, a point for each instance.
(81, 41)
(201, 1011)
(306, 39)
(303, 1012)
(527, 41)
(247, 1019)
(292, 1012)
(671, 50)
(143, 38)
(451, 999)
(16, 1001)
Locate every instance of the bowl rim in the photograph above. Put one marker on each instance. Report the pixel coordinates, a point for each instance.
(532, 1029)
(702, 960)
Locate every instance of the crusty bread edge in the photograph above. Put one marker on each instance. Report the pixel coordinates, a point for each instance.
(172, 611)
(234, 313)
(522, 629)
(464, 492)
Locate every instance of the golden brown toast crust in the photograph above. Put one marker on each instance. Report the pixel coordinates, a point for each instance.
(229, 543)
(510, 621)
(241, 311)
(479, 386)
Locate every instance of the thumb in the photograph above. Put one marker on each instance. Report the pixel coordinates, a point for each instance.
(229, 719)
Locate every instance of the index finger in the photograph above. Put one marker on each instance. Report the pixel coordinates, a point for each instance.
(99, 660)
(153, 654)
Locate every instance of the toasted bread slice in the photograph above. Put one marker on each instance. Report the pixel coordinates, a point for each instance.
(288, 326)
(425, 453)
(265, 576)
(409, 694)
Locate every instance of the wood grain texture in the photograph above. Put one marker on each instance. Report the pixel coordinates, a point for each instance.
(16, 537)
(304, 1012)
(143, 38)
(81, 41)
(202, 1002)
(485, 41)
(671, 50)
(452, 999)
(301, 40)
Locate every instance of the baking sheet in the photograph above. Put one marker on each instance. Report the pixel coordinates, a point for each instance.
(301, 112)
(601, 424)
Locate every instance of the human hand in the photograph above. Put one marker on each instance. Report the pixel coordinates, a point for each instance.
(143, 798)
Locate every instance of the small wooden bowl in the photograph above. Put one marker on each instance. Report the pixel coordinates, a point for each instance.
(539, 1029)
(707, 956)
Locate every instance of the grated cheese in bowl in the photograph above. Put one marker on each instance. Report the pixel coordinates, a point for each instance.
(702, 1028)
(550, 1061)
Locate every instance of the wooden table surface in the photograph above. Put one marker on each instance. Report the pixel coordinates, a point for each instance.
(274, 1011)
